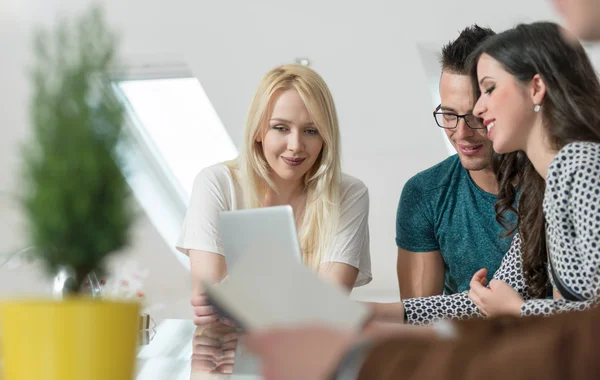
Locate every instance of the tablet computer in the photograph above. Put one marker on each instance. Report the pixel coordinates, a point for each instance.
(252, 231)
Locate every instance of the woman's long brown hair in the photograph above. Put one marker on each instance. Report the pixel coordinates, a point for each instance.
(570, 111)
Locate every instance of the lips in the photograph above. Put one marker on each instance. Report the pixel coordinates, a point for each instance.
(471, 149)
(293, 161)
(487, 122)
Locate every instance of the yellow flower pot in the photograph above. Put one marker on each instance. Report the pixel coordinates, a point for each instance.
(72, 339)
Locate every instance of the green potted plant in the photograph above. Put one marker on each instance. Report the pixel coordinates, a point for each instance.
(78, 208)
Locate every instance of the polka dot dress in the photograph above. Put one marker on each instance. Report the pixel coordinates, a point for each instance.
(572, 211)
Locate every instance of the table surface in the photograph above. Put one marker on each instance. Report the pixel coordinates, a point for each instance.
(177, 349)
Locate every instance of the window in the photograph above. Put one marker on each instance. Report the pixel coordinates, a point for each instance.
(180, 126)
(172, 133)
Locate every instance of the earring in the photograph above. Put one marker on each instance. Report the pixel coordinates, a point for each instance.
(537, 108)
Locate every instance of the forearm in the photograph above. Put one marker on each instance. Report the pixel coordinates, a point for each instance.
(547, 307)
(340, 274)
(206, 267)
(423, 311)
(387, 312)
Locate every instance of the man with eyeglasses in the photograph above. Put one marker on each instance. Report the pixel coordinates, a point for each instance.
(446, 227)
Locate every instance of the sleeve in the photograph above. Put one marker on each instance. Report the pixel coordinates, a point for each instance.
(547, 307)
(351, 244)
(414, 222)
(200, 227)
(579, 185)
(425, 310)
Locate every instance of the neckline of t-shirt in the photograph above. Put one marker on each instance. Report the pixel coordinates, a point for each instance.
(474, 185)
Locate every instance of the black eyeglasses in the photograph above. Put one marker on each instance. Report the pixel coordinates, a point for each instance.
(449, 120)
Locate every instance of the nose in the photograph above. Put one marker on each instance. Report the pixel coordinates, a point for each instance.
(480, 107)
(295, 142)
(462, 130)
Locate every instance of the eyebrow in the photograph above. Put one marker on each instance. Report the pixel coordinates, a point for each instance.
(444, 108)
(310, 123)
(482, 79)
(450, 109)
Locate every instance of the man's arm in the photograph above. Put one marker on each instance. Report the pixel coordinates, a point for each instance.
(420, 274)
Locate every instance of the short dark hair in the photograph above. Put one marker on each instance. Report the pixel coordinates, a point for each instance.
(455, 53)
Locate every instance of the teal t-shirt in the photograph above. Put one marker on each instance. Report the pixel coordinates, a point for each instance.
(442, 209)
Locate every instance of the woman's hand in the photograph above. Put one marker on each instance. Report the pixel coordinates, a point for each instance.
(205, 314)
(214, 349)
(498, 298)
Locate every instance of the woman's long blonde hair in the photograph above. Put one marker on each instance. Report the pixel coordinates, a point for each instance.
(319, 221)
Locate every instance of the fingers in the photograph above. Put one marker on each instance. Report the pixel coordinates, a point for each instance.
(225, 368)
(495, 284)
(476, 286)
(480, 276)
(227, 322)
(211, 365)
(204, 351)
(205, 320)
(232, 345)
(206, 341)
(204, 310)
(479, 292)
(228, 355)
(204, 314)
(203, 365)
(233, 336)
(199, 300)
(473, 296)
(212, 319)
(219, 332)
(479, 281)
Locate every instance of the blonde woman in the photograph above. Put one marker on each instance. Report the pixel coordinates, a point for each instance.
(290, 156)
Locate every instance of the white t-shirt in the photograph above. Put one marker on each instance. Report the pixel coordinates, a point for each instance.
(215, 190)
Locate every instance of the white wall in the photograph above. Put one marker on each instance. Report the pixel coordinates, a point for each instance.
(367, 54)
